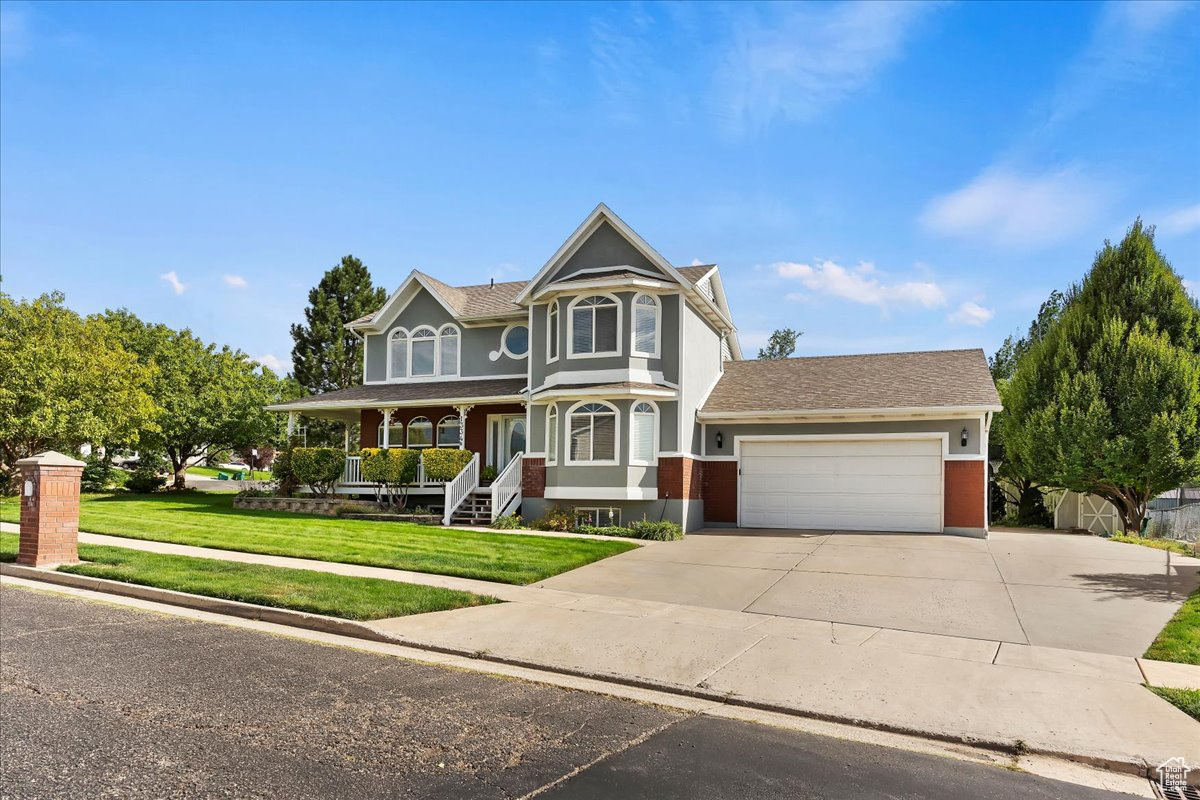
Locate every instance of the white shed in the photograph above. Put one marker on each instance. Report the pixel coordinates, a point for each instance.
(1087, 511)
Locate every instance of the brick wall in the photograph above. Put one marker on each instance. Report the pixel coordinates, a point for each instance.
(964, 494)
(718, 483)
(533, 477)
(680, 478)
(50, 516)
(476, 433)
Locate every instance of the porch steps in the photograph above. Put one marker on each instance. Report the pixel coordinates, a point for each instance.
(475, 510)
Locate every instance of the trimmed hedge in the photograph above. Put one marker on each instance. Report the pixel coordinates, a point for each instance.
(393, 466)
(319, 467)
(443, 464)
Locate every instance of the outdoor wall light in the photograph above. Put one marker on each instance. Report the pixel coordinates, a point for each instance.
(964, 437)
(720, 440)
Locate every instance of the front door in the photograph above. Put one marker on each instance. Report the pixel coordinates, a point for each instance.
(506, 438)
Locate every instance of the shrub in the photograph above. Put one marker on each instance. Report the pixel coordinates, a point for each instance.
(97, 475)
(488, 474)
(556, 519)
(319, 467)
(255, 493)
(391, 471)
(507, 522)
(608, 530)
(144, 480)
(656, 530)
(443, 464)
(342, 509)
(281, 472)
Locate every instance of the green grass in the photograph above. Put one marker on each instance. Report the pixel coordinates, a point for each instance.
(212, 472)
(297, 589)
(209, 520)
(1179, 640)
(1186, 700)
(1158, 544)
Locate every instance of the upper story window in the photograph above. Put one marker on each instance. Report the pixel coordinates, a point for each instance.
(448, 432)
(552, 332)
(423, 352)
(595, 326)
(643, 433)
(646, 315)
(552, 434)
(420, 432)
(593, 431)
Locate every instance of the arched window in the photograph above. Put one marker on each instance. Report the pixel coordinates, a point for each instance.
(552, 332)
(643, 433)
(593, 430)
(448, 432)
(395, 434)
(448, 350)
(645, 325)
(398, 354)
(420, 432)
(422, 353)
(595, 326)
(552, 434)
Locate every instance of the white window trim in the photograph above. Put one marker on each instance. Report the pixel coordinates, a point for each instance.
(408, 434)
(571, 354)
(552, 316)
(495, 354)
(598, 510)
(552, 442)
(657, 325)
(437, 357)
(441, 373)
(437, 353)
(616, 459)
(391, 337)
(437, 432)
(654, 434)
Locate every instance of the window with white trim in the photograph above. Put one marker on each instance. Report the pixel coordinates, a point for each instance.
(645, 325)
(594, 326)
(598, 517)
(420, 432)
(552, 434)
(398, 354)
(552, 332)
(448, 431)
(422, 353)
(642, 439)
(593, 430)
(448, 350)
(395, 434)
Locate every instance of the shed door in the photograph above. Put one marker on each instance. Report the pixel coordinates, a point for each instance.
(859, 485)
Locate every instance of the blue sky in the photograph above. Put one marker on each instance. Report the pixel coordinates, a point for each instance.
(884, 177)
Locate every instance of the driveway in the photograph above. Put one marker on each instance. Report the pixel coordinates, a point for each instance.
(1052, 590)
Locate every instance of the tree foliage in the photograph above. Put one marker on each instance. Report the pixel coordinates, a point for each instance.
(1107, 402)
(67, 381)
(781, 344)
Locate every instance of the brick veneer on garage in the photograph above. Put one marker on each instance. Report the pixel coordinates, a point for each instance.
(718, 484)
(964, 494)
(533, 477)
(680, 478)
(50, 516)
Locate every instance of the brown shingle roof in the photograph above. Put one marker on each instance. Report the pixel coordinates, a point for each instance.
(480, 300)
(696, 272)
(387, 394)
(932, 379)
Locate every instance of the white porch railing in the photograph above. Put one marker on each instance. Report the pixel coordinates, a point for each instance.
(352, 473)
(461, 487)
(506, 489)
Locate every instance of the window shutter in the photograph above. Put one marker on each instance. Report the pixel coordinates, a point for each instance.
(606, 329)
(581, 331)
(604, 427)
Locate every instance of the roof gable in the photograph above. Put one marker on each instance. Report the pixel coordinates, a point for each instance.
(461, 302)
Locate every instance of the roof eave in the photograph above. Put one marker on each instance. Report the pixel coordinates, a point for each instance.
(927, 412)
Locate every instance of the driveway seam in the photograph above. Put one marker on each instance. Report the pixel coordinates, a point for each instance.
(1011, 602)
(730, 660)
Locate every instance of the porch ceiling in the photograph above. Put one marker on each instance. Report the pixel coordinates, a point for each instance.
(399, 395)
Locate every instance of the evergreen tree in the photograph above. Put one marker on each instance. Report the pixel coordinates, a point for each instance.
(326, 356)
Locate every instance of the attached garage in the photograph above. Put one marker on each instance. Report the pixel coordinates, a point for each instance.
(881, 483)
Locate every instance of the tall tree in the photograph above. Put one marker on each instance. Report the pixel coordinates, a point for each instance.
(325, 355)
(208, 398)
(67, 381)
(781, 344)
(1108, 402)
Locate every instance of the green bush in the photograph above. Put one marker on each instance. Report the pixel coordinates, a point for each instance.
(507, 523)
(488, 474)
(656, 530)
(97, 475)
(144, 480)
(281, 472)
(443, 464)
(391, 466)
(556, 519)
(608, 530)
(319, 467)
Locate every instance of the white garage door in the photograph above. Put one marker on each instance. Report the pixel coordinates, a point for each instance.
(860, 485)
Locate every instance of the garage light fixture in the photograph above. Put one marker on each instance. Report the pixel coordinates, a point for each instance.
(720, 440)
(964, 437)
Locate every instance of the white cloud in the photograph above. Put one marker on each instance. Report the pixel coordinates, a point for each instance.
(970, 313)
(172, 278)
(236, 281)
(800, 59)
(1003, 207)
(274, 363)
(857, 285)
(1184, 220)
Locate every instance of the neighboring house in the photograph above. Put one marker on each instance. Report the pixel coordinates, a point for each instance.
(612, 383)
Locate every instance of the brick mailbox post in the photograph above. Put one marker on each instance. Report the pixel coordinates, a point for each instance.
(49, 509)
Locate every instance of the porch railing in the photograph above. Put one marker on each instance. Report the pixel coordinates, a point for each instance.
(352, 473)
(461, 487)
(506, 489)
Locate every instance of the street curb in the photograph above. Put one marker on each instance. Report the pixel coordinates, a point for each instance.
(358, 630)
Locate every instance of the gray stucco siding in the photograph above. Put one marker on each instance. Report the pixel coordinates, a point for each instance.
(952, 427)
(605, 247)
(688, 513)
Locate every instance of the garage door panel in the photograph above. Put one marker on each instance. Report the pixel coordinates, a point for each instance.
(893, 484)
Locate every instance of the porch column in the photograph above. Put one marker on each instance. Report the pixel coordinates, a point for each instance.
(291, 425)
(462, 425)
(346, 439)
(387, 426)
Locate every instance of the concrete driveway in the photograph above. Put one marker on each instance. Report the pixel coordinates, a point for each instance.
(1061, 591)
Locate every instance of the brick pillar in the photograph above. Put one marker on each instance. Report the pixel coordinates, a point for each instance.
(533, 477)
(49, 509)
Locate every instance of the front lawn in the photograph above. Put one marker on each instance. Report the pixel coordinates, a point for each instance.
(297, 589)
(209, 520)
(212, 472)
(1186, 700)
(1179, 640)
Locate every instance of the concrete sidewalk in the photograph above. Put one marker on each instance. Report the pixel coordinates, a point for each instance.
(1084, 706)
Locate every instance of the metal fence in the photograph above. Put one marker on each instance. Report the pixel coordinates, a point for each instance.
(1181, 523)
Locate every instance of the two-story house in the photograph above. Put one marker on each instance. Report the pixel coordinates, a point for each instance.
(612, 383)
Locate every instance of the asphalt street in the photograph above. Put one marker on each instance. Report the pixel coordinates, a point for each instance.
(102, 701)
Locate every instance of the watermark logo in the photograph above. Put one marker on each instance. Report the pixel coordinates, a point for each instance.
(1172, 773)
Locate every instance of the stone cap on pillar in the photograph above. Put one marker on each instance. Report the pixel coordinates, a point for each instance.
(50, 458)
